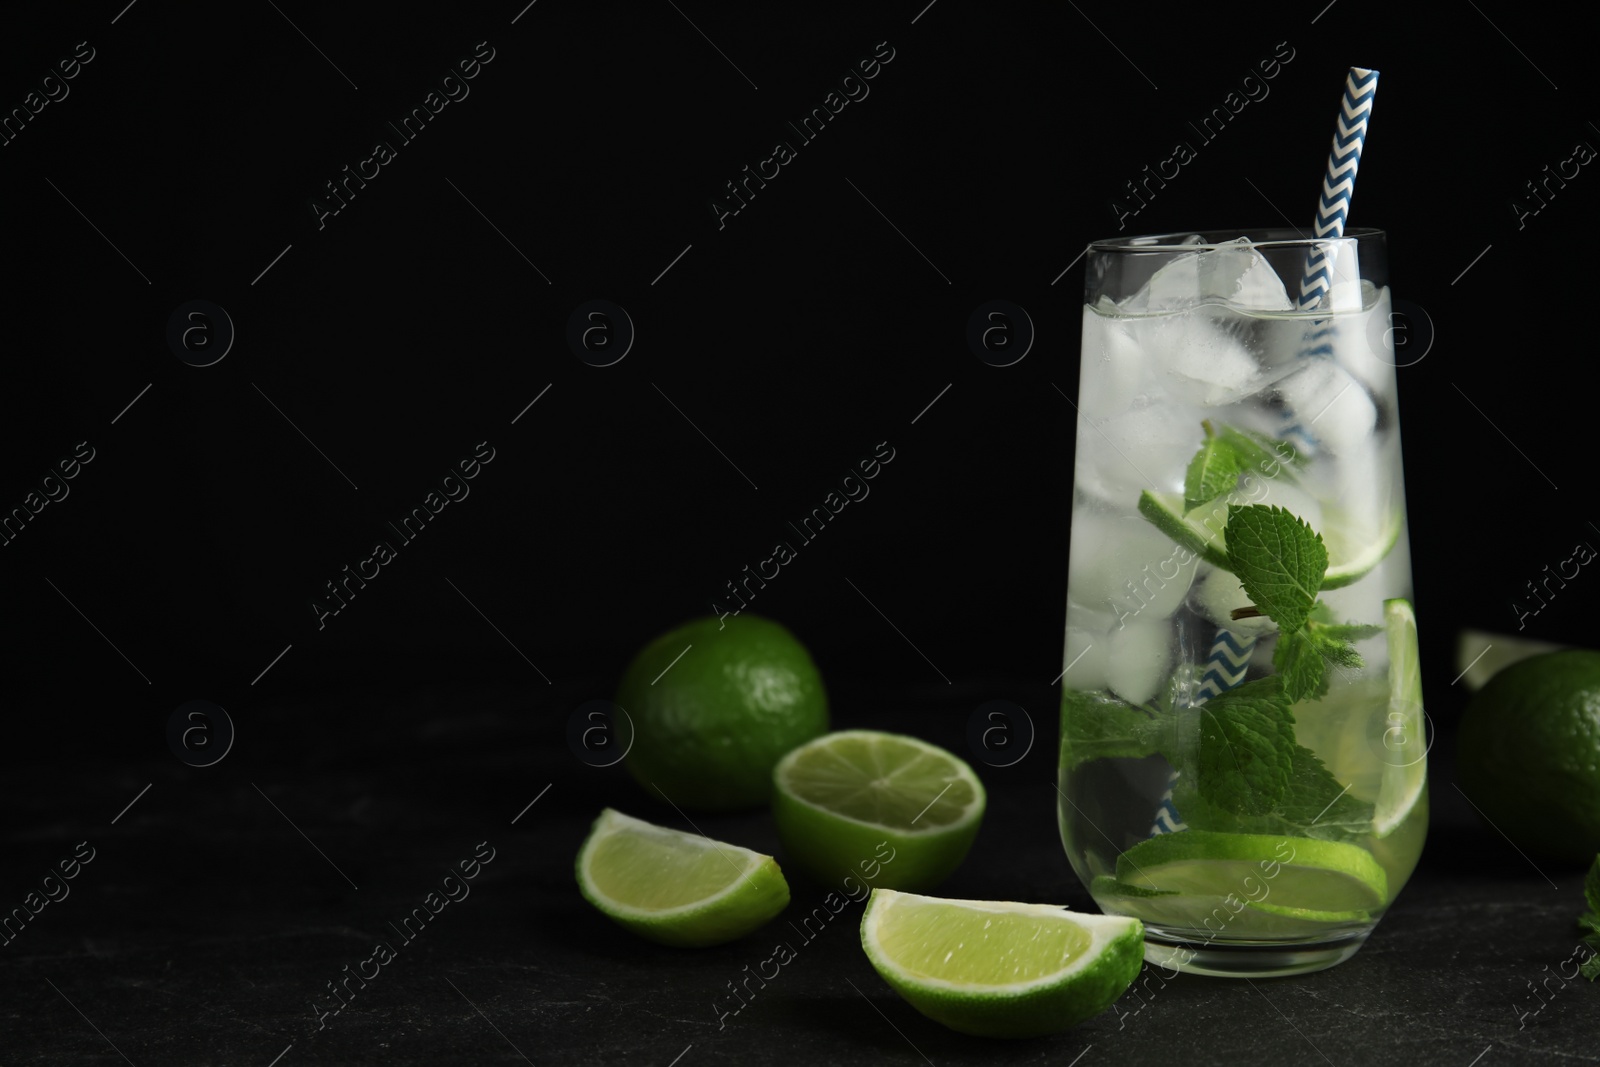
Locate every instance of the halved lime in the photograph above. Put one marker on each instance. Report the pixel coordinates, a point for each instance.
(892, 809)
(1405, 743)
(998, 968)
(1480, 656)
(1301, 872)
(674, 887)
(1353, 550)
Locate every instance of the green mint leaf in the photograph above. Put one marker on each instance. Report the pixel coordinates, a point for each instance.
(1103, 727)
(1335, 650)
(1280, 561)
(1591, 886)
(1299, 663)
(1313, 805)
(1273, 458)
(1590, 922)
(1213, 471)
(1246, 744)
(1591, 967)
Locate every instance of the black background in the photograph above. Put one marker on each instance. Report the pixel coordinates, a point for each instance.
(796, 337)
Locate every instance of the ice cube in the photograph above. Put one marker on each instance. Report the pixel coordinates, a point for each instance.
(1234, 274)
(1217, 595)
(1146, 447)
(1345, 285)
(1113, 372)
(1139, 659)
(1364, 344)
(1125, 566)
(1202, 360)
(1330, 404)
(1084, 656)
(1280, 493)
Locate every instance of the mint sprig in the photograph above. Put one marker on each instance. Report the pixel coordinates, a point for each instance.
(1228, 453)
(1303, 658)
(1280, 561)
(1246, 749)
(1103, 727)
(1214, 470)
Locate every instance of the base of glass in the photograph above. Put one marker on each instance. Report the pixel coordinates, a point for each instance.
(1250, 960)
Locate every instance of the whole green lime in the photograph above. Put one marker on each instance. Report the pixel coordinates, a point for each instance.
(1529, 754)
(715, 704)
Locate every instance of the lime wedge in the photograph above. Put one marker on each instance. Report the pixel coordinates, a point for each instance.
(1300, 872)
(1352, 551)
(1405, 742)
(893, 809)
(1480, 656)
(674, 887)
(1235, 916)
(997, 968)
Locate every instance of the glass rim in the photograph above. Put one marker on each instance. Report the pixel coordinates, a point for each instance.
(1269, 237)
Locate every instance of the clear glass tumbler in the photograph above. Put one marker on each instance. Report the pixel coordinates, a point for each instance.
(1243, 747)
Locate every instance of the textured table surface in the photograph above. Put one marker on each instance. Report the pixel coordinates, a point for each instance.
(206, 927)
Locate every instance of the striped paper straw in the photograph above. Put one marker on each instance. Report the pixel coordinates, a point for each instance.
(1230, 653)
(1338, 189)
(1225, 667)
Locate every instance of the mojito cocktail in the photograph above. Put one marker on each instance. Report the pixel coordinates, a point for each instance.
(1242, 761)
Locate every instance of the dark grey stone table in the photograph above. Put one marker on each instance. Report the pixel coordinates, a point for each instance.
(219, 907)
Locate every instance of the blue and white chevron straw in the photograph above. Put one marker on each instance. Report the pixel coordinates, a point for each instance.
(1230, 652)
(1225, 667)
(1338, 189)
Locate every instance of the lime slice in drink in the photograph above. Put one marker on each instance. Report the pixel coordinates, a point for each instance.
(1301, 872)
(674, 887)
(1353, 550)
(1000, 969)
(1480, 656)
(1200, 530)
(1309, 916)
(899, 811)
(1405, 742)
(1233, 915)
(1107, 885)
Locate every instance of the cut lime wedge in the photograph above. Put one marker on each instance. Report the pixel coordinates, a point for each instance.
(1300, 872)
(674, 887)
(998, 968)
(1405, 742)
(858, 800)
(1480, 656)
(1352, 551)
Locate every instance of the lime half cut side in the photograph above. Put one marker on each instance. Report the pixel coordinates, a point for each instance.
(677, 888)
(893, 809)
(998, 968)
(1352, 551)
(1405, 743)
(1298, 872)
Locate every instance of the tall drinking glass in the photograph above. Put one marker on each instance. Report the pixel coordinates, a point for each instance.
(1242, 760)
